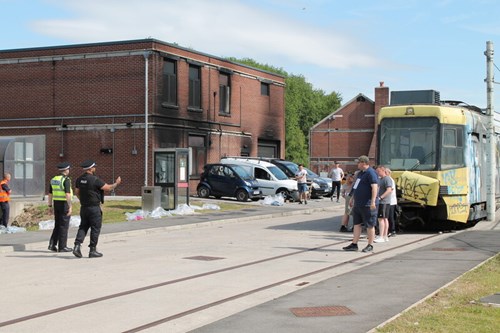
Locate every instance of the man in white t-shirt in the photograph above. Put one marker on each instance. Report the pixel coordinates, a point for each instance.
(336, 174)
(394, 202)
(301, 177)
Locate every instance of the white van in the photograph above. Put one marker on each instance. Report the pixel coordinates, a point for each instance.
(270, 178)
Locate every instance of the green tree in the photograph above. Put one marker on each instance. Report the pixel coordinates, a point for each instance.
(304, 107)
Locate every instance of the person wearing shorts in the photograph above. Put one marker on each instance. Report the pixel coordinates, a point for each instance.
(384, 207)
(346, 194)
(365, 204)
(301, 177)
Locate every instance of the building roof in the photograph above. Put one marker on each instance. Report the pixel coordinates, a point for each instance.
(355, 99)
(132, 41)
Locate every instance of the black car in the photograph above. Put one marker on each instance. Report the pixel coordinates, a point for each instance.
(228, 180)
(325, 184)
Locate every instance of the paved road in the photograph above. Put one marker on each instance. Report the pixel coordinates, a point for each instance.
(251, 271)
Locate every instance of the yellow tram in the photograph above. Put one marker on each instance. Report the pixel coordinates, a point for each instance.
(437, 154)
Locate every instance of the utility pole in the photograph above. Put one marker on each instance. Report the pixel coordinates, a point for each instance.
(491, 158)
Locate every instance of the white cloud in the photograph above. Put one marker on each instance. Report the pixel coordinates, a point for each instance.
(222, 27)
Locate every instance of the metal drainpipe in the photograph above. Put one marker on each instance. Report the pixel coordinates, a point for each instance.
(146, 114)
(113, 152)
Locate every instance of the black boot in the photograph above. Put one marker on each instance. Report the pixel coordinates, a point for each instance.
(52, 247)
(76, 251)
(93, 253)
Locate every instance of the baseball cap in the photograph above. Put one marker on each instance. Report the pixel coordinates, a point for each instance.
(362, 159)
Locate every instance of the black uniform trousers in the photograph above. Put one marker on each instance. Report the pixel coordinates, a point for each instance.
(61, 225)
(5, 207)
(336, 185)
(91, 218)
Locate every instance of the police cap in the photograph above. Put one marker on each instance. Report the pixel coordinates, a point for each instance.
(87, 164)
(63, 166)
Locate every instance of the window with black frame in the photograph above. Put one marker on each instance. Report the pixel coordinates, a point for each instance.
(264, 89)
(170, 82)
(194, 86)
(224, 94)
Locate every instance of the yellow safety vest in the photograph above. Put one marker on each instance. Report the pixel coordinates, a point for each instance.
(57, 184)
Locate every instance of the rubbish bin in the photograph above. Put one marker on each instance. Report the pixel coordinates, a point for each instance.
(151, 197)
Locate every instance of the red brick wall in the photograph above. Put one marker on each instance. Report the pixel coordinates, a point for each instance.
(95, 92)
(351, 132)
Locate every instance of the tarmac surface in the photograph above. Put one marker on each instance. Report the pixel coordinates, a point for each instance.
(27, 240)
(358, 300)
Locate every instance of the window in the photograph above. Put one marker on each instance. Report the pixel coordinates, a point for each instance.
(224, 93)
(262, 174)
(169, 82)
(264, 89)
(198, 153)
(409, 143)
(195, 86)
(452, 153)
(24, 158)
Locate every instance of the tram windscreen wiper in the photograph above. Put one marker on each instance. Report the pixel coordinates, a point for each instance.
(423, 159)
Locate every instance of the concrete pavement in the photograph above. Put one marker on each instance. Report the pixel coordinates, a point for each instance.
(361, 299)
(28, 240)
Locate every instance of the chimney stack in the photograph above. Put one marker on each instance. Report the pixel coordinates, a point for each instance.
(381, 100)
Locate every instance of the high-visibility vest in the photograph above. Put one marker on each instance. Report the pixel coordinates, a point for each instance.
(4, 195)
(57, 184)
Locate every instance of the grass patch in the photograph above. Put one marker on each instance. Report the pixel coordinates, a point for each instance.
(456, 308)
(113, 211)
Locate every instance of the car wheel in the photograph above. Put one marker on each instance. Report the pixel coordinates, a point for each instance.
(242, 195)
(203, 192)
(284, 192)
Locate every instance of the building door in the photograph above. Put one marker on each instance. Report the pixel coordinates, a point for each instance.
(268, 149)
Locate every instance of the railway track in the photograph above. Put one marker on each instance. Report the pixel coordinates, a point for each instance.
(248, 264)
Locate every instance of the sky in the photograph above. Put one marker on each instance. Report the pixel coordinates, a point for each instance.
(347, 47)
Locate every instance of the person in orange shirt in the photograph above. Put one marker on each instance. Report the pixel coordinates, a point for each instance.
(4, 199)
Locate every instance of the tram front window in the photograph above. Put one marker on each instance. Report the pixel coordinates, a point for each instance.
(408, 143)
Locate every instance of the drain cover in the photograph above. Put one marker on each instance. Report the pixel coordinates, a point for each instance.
(204, 258)
(322, 311)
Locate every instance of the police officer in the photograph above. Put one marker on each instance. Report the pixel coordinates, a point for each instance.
(61, 194)
(90, 190)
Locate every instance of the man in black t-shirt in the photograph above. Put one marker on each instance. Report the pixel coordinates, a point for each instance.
(90, 190)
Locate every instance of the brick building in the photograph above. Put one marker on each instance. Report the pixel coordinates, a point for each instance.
(347, 133)
(100, 101)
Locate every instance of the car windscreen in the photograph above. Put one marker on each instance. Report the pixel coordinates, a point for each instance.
(311, 173)
(277, 172)
(242, 172)
(291, 166)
